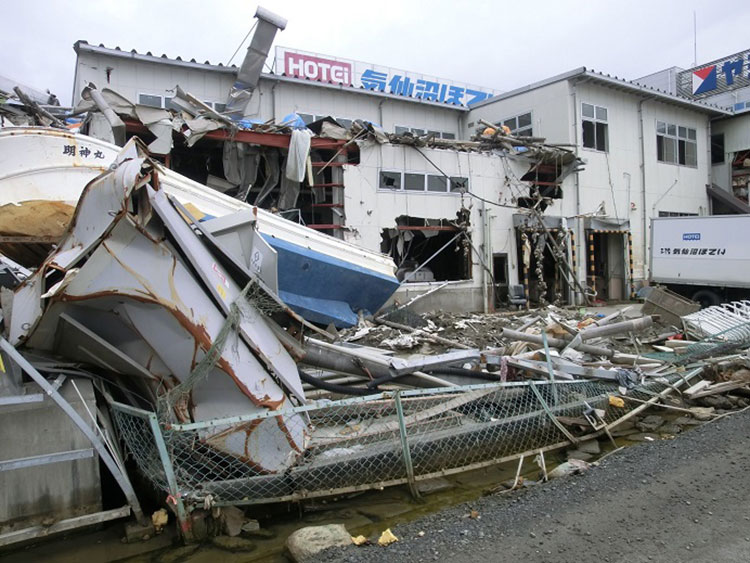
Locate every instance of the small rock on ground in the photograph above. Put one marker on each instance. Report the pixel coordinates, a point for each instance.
(304, 543)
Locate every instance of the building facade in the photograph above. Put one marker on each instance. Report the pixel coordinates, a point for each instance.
(646, 150)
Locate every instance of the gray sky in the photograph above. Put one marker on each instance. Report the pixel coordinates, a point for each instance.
(496, 44)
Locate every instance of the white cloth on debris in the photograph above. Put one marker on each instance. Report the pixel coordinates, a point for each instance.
(299, 148)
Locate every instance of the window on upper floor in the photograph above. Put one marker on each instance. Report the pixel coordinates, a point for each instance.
(676, 144)
(595, 127)
(519, 125)
(157, 101)
(421, 182)
(151, 100)
(402, 130)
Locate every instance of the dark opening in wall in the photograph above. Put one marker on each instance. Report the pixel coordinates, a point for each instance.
(428, 250)
(542, 272)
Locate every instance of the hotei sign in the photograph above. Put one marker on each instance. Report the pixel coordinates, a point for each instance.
(335, 70)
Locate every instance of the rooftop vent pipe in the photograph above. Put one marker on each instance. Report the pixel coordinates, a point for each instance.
(257, 53)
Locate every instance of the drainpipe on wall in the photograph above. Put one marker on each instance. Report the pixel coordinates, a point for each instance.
(273, 100)
(709, 164)
(488, 288)
(643, 186)
(578, 221)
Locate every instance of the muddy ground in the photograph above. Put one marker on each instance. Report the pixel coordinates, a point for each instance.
(685, 499)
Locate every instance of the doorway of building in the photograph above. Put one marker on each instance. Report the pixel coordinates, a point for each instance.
(500, 276)
(608, 264)
(544, 272)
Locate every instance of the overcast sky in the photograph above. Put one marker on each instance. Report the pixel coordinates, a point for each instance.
(496, 44)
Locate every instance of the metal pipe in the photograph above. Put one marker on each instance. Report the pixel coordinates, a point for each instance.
(632, 325)
(555, 342)
(118, 126)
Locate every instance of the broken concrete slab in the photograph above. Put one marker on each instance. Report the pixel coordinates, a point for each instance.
(435, 485)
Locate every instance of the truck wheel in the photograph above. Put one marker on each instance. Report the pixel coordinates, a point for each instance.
(706, 298)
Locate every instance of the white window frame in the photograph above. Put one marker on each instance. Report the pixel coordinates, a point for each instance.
(402, 182)
(526, 130)
(678, 134)
(160, 96)
(419, 131)
(595, 119)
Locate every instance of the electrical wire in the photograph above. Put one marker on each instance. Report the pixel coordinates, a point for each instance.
(242, 43)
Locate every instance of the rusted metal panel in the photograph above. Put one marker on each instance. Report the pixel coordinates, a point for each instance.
(117, 260)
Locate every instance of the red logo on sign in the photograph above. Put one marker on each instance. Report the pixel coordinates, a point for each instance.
(316, 68)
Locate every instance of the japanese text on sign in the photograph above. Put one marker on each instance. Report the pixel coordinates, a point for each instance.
(379, 79)
(84, 152)
(670, 251)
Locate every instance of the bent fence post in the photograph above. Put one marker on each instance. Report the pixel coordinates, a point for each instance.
(405, 445)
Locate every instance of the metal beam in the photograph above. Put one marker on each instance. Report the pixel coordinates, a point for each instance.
(120, 476)
(63, 526)
(45, 459)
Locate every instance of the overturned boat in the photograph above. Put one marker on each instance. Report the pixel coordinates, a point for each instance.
(42, 173)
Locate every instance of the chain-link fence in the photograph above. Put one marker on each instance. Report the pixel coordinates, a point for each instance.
(371, 442)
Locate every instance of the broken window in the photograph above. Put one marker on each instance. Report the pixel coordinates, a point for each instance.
(390, 180)
(676, 144)
(421, 182)
(459, 184)
(595, 133)
(427, 250)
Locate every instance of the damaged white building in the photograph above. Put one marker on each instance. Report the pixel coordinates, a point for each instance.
(465, 216)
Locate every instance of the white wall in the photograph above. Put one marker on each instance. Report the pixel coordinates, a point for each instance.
(344, 103)
(273, 98)
(369, 209)
(133, 77)
(668, 187)
(548, 105)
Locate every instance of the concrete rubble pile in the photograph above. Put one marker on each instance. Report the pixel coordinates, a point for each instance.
(183, 324)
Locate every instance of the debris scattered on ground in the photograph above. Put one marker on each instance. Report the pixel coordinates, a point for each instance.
(387, 538)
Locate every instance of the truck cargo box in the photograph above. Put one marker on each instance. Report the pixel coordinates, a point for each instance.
(704, 251)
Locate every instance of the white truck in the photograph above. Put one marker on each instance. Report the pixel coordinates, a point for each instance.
(704, 258)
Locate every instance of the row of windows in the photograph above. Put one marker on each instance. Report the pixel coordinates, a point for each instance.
(519, 125)
(674, 143)
(308, 118)
(156, 101)
(420, 182)
(400, 130)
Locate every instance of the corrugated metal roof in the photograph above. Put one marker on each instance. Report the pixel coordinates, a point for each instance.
(84, 46)
(582, 73)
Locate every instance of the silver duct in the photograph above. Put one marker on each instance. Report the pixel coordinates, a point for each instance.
(257, 53)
